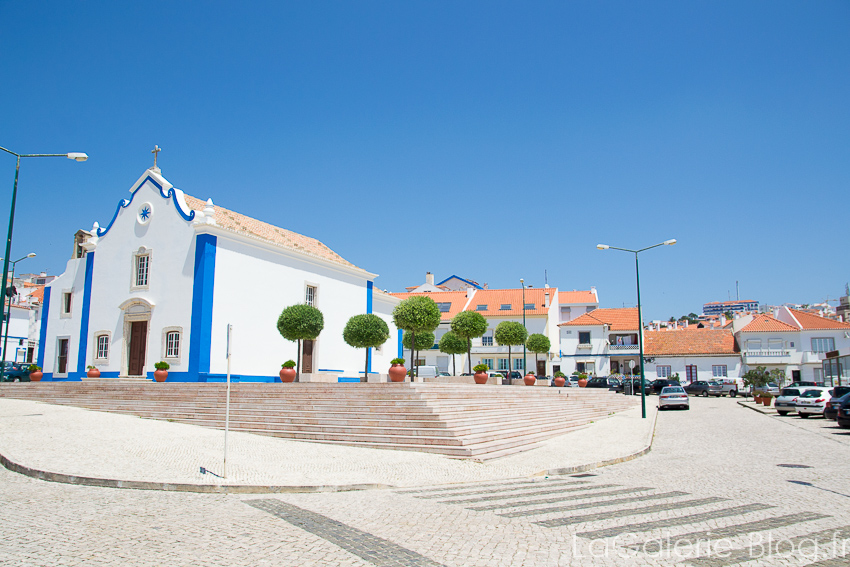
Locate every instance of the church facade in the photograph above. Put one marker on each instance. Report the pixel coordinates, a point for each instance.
(163, 279)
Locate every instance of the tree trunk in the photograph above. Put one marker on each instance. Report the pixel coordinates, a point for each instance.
(469, 353)
(366, 370)
(454, 366)
(413, 355)
(509, 365)
(298, 368)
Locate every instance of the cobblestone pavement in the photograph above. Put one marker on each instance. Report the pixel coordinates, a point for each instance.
(723, 485)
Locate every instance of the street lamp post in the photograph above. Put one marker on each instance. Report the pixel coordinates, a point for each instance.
(8, 296)
(524, 368)
(77, 156)
(640, 318)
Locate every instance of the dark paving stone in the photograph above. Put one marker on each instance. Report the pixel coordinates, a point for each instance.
(593, 504)
(681, 521)
(513, 494)
(557, 522)
(489, 486)
(375, 550)
(567, 498)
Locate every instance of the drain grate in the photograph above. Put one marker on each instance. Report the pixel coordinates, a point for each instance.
(795, 466)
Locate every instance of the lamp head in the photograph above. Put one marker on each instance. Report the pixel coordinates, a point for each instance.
(78, 156)
(521, 280)
(603, 246)
(31, 255)
(670, 242)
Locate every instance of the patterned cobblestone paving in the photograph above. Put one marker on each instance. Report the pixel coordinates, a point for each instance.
(713, 475)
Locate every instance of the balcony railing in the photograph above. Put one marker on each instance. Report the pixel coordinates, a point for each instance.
(767, 353)
(623, 348)
(585, 346)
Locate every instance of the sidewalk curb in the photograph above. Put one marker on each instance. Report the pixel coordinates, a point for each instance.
(759, 409)
(606, 462)
(179, 487)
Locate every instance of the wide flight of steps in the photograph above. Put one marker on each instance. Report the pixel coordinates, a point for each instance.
(458, 420)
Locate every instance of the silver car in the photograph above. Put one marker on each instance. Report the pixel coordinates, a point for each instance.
(813, 401)
(673, 396)
(786, 401)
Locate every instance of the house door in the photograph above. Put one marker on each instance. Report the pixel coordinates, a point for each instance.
(795, 376)
(541, 368)
(138, 339)
(307, 357)
(62, 359)
(691, 373)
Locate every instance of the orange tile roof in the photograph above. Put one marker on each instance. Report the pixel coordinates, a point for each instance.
(568, 297)
(690, 341)
(495, 298)
(280, 236)
(38, 294)
(813, 322)
(768, 323)
(622, 319)
(456, 298)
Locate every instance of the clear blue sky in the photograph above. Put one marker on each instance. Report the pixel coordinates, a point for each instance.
(492, 140)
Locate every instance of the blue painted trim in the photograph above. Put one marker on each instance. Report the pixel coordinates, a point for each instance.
(329, 370)
(200, 338)
(124, 203)
(370, 288)
(42, 335)
(347, 380)
(83, 345)
(400, 345)
(475, 285)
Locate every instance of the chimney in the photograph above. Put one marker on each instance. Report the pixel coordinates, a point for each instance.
(429, 278)
(685, 324)
(546, 297)
(469, 292)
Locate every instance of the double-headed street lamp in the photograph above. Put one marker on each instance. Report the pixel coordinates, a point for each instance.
(77, 156)
(8, 295)
(640, 319)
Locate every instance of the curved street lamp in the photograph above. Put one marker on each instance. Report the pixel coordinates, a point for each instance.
(76, 156)
(670, 242)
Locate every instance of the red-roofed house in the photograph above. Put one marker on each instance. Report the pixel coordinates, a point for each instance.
(603, 341)
(692, 353)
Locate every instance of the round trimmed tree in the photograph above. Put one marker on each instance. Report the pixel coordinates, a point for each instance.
(469, 325)
(417, 314)
(538, 343)
(300, 323)
(510, 333)
(421, 341)
(366, 331)
(452, 344)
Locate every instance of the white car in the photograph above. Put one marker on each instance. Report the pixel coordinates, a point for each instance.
(813, 401)
(673, 396)
(786, 401)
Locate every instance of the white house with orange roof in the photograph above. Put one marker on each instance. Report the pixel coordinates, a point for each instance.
(692, 353)
(601, 342)
(790, 340)
(163, 279)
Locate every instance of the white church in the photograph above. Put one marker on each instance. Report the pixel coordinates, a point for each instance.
(163, 279)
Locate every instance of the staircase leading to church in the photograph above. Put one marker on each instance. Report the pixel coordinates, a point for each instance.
(458, 420)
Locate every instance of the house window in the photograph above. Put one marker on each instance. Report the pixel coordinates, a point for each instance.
(823, 345)
(487, 340)
(481, 307)
(753, 344)
(310, 295)
(102, 347)
(775, 344)
(719, 371)
(503, 364)
(565, 314)
(172, 345)
(505, 307)
(444, 307)
(818, 375)
(488, 362)
(584, 337)
(663, 371)
(66, 302)
(590, 367)
(62, 356)
(518, 364)
(528, 306)
(580, 366)
(420, 362)
(143, 262)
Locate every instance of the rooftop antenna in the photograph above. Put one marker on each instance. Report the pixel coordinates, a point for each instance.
(546, 277)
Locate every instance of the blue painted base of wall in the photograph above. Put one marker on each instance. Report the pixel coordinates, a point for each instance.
(346, 379)
(187, 377)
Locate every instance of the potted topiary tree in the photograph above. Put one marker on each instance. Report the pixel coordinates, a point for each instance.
(93, 372)
(300, 322)
(397, 371)
(538, 343)
(161, 372)
(582, 380)
(366, 331)
(480, 375)
(417, 314)
(287, 371)
(452, 344)
(560, 379)
(469, 325)
(35, 373)
(510, 333)
(756, 379)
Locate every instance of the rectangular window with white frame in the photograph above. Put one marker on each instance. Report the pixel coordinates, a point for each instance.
(663, 371)
(825, 344)
(518, 364)
(172, 344)
(310, 295)
(719, 371)
(102, 347)
(67, 302)
(488, 362)
(503, 364)
(487, 339)
(143, 264)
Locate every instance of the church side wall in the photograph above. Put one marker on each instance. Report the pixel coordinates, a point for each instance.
(61, 325)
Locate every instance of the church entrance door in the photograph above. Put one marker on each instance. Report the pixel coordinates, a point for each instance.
(138, 340)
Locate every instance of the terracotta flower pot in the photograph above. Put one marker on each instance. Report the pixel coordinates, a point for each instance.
(36, 376)
(93, 373)
(766, 401)
(397, 373)
(560, 381)
(758, 399)
(582, 383)
(160, 375)
(287, 374)
(529, 379)
(480, 377)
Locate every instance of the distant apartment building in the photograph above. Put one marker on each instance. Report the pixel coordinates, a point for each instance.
(720, 307)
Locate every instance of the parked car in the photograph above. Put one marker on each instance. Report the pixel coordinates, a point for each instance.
(603, 382)
(662, 383)
(813, 401)
(16, 372)
(423, 372)
(572, 381)
(515, 374)
(802, 384)
(771, 388)
(843, 417)
(786, 401)
(731, 386)
(704, 388)
(673, 396)
(635, 386)
(840, 395)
